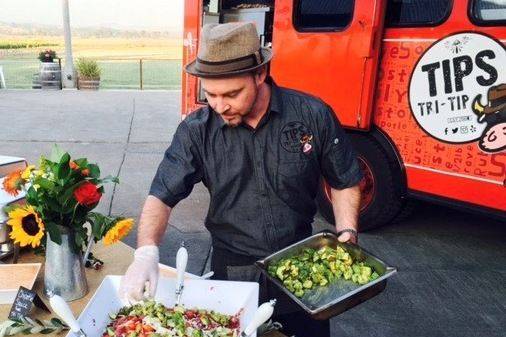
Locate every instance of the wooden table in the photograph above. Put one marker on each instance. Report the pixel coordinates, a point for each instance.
(116, 259)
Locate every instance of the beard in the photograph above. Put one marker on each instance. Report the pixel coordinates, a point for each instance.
(233, 122)
(236, 119)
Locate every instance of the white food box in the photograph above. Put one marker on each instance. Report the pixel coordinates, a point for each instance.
(226, 297)
(12, 276)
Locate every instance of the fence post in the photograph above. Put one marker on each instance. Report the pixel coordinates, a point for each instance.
(140, 70)
(61, 73)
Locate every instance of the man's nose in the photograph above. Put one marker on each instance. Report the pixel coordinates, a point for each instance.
(221, 107)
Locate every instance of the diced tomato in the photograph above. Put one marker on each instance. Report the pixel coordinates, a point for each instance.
(233, 323)
(147, 328)
(190, 314)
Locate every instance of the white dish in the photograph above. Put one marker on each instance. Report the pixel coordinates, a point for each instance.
(226, 297)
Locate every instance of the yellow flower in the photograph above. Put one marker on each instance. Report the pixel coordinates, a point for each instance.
(13, 182)
(26, 173)
(38, 173)
(27, 226)
(118, 231)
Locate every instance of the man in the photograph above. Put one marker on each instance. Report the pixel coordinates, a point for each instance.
(260, 150)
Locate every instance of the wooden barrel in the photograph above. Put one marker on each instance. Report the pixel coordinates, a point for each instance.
(89, 83)
(50, 76)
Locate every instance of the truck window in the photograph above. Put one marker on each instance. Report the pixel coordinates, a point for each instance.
(413, 13)
(488, 12)
(324, 15)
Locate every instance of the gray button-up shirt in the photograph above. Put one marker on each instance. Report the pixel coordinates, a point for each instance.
(262, 181)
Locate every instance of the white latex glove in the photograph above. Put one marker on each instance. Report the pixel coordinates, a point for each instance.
(143, 269)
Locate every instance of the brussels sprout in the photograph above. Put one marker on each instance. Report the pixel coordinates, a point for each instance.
(299, 293)
(280, 272)
(308, 284)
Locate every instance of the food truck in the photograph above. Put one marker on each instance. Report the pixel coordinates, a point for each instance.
(420, 87)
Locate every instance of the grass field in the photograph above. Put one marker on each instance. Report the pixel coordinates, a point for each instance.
(119, 60)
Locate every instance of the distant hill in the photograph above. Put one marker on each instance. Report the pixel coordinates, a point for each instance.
(29, 29)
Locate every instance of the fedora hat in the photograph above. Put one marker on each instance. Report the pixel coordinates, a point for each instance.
(496, 102)
(228, 49)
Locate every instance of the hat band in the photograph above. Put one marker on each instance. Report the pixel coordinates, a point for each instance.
(497, 101)
(241, 63)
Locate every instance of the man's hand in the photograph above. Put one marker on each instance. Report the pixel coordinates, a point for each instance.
(143, 269)
(348, 235)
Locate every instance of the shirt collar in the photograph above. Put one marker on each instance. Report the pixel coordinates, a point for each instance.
(275, 103)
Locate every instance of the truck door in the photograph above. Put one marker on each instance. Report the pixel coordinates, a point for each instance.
(330, 48)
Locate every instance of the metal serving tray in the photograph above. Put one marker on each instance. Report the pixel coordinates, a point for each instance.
(336, 297)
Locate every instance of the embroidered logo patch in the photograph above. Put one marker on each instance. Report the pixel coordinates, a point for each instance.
(291, 136)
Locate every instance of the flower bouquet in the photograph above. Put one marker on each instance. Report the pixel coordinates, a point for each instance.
(60, 196)
(47, 55)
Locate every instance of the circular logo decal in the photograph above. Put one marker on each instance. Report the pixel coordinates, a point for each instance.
(291, 136)
(451, 77)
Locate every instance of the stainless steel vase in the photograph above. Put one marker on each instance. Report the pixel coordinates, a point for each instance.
(64, 272)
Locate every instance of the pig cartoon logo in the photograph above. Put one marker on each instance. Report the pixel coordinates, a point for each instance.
(493, 138)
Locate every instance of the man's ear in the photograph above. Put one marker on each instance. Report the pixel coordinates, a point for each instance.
(261, 75)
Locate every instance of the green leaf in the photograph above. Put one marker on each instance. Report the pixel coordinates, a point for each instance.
(40, 250)
(53, 205)
(45, 183)
(81, 162)
(46, 331)
(56, 322)
(63, 169)
(9, 208)
(54, 232)
(110, 178)
(97, 225)
(78, 240)
(94, 171)
(56, 154)
(32, 196)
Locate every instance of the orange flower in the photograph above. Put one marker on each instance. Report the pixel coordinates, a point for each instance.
(73, 165)
(13, 182)
(85, 172)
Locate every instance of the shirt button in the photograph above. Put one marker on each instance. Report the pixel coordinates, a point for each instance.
(336, 140)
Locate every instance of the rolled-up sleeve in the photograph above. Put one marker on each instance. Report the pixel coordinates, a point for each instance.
(180, 169)
(338, 161)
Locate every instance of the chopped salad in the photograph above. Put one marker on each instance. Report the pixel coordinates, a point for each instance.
(152, 319)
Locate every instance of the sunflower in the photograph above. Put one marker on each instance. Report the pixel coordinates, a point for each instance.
(27, 226)
(120, 229)
(13, 182)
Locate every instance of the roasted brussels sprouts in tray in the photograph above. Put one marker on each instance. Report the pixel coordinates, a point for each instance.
(312, 268)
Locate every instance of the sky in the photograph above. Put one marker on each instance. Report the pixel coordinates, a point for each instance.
(122, 14)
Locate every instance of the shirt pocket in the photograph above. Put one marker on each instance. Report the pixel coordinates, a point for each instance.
(294, 168)
(295, 165)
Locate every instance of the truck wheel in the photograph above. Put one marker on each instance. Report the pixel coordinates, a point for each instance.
(406, 211)
(381, 188)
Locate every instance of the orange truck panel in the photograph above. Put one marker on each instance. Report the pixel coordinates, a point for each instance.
(340, 67)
